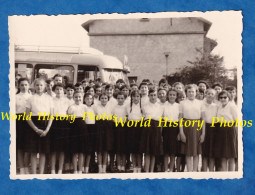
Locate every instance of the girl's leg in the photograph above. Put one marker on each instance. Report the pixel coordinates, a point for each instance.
(53, 162)
(195, 163)
(236, 164)
(33, 162)
(26, 162)
(166, 162)
(224, 164)
(99, 161)
(61, 161)
(231, 164)
(139, 162)
(134, 160)
(152, 163)
(147, 163)
(204, 164)
(211, 164)
(172, 163)
(183, 163)
(123, 158)
(105, 159)
(118, 162)
(178, 164)
(87, 162)
(189, 163)
(75, 156)
(20, 160)
(42, 163)
(80, 162)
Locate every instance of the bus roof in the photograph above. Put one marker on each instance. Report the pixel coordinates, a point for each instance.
(100, 60)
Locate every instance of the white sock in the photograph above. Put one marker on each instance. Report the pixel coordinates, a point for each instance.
(135, 170)
(104, 169)
(22, 171)
(139, 170)
(53, 172)
(75, 172)
(79, 172)
(86, 169)
(59, 171)
(26, 170)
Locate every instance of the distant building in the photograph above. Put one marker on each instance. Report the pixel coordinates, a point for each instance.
(145, 43)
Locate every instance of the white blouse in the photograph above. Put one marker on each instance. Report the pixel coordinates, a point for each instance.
(112, 102)
(229, 112)
(91, 111)
(120, 111)
(39, 104)
(77, 110)
(153, 110)
(191, 109)
(100, 109)
(144, 100)
(60, 105)
(136, 113)
(21, 101)
(210, 111)
(171, 111)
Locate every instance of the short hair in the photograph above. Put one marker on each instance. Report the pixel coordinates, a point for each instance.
(190, 86)
(121, 93)
(70, 85)
(123, 87)
(104, 94)
(152, 91)
(57, 75)
(78, 84)
(143, 83)
(98, 80)
(161, 88)
(120, 81)
(210, 89)
(133, 84)
(87, 94)
(22, 79)
(224, 92)
(39, 79)
(57, 85)
(202, 81)
(97, 86)
(77, 92)
(88, 88)
(231, 88)
(108, 86)
(217, 84)
(48, 81)
(179, 83)
(162, 81)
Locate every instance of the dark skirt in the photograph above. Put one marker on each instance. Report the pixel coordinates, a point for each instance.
(78, 136)
(92, 133)
(21, 132)
(170, 142)
(120, 139)
(208, 145)
(105, 136)
(134, 138)
(59, 134)
(225, 145)
(192, 145)
(35, 143)
(151, 141)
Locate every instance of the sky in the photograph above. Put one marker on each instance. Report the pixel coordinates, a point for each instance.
(66, 30)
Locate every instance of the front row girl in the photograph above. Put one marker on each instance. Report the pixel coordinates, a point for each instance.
(38, 139)
(151, 136)
(78, 132)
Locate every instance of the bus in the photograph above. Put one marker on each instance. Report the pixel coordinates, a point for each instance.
(75, 66)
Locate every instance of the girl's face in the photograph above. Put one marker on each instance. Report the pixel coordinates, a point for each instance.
(162, 96)
(178, 88)
(39, 86)
(58, 80)
(172, 95)
(98, 91)
(133, 88)
(79, 89)
(109, 91)
(181, 98)
(120, 99)
(92, 91)
(103, 100)
(24, 86)
(224, 99)
(153, 97)
(144, 90)
(49, 86)
(191, 93)
(59, 91)
(217, 89)
(210, 95)
(69, 92)
(166, 87)
(202, 86)
(200, 96)
(125, 91)
(78, 98)
(88, 100)
(136, 99)
(233, 94)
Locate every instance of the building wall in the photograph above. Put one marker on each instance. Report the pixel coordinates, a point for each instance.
(146, 52)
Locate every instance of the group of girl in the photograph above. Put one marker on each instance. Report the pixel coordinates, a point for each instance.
(100, 140)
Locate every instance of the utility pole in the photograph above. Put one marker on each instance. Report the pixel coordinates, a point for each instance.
(166, 55)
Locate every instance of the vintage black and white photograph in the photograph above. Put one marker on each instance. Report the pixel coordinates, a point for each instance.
(141, 95)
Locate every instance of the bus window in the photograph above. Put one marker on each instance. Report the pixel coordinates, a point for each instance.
(48, 71)
(87, 72)
(112, 75)
(25, 70)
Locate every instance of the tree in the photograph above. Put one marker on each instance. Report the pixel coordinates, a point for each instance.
(209, 68)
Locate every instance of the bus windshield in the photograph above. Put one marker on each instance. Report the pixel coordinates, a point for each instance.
(48, 71)
(112, 75)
